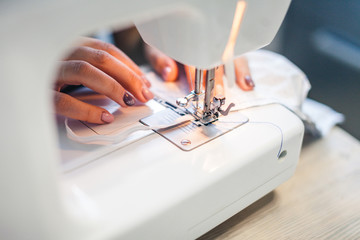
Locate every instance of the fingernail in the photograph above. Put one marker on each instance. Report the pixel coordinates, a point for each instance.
(128, 99)
(249, 81)
(107, 117)
(147, 83)
(147, 94)
(165, 73)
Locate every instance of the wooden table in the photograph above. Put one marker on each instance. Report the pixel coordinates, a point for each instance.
(321, 201)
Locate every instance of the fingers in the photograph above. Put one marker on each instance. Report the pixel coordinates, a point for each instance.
(219, 82)
(163, 65)
(75, 72)
(116, 69)
(117, 53)
(243, 75)
(190, 76)
(73, 108)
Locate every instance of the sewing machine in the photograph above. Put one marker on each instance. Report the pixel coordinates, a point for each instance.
(149, 189)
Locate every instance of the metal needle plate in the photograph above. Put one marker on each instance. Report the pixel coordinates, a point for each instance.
(191, 135)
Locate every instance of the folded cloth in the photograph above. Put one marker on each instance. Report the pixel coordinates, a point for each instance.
(277, 81)
(319, 118)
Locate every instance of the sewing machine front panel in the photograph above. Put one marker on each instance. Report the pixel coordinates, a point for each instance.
(152, 181)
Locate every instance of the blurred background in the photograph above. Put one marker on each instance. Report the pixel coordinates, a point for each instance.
(322, 37)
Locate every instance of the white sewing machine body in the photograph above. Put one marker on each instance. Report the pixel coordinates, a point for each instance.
(149, 189)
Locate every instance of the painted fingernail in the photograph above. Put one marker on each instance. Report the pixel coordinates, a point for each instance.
(147, 83)
(147, 94)
(128, 99)
(249, 81)
(166, 72)
(107, 117)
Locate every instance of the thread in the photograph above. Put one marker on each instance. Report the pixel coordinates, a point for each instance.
(269, 123)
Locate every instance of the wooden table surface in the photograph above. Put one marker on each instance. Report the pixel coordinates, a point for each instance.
(321, 201)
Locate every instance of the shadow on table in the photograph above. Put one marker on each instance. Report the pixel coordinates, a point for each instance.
(308, 139)
(239, 217)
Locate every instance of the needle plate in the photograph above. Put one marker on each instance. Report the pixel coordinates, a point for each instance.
(193, 134)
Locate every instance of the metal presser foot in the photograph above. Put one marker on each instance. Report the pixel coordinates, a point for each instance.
(210, 119)
(204, 106)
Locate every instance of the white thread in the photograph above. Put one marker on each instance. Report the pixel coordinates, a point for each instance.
(270, 123)
(281, 133)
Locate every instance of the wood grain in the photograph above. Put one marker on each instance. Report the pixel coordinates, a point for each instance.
(321, 201)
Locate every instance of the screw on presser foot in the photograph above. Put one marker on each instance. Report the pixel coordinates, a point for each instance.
(183, 102)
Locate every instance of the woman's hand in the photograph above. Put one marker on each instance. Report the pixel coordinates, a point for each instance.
(105, 69)
(168, 70)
